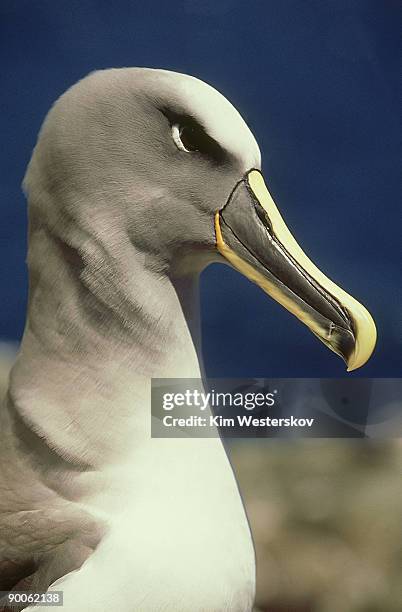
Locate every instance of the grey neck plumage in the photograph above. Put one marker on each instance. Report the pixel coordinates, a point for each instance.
(101, 322)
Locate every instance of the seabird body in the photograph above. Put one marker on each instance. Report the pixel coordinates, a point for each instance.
(133, 188)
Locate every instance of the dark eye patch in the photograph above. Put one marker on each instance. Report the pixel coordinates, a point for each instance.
(194, 137)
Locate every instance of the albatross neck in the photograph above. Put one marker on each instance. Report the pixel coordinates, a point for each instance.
(93, 341)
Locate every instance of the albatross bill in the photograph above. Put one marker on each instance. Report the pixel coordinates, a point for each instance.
(252, 236)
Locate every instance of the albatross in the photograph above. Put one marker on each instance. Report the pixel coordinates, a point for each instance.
(139, 179)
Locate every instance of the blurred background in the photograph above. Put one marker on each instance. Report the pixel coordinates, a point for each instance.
(319, 83)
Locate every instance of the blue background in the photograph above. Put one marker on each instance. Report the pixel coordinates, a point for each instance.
(318, 82)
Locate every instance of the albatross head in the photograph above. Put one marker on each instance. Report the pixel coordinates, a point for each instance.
(160, 165)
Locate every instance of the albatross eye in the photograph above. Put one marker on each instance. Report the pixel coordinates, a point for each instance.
(186, 137)
(191, 138)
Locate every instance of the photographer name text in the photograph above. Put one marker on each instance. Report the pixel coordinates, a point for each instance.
(242, 420)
